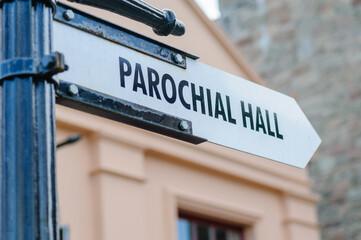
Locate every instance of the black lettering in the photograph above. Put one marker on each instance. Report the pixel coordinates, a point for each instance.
(153, 82)
(280, 136)
(139, 79)
(122, 63)
(259, 121)
(247, 115)
(229, 111)
(269, 125)
(209, 98)
(199, 98)
(219, 109)
(164, 88)
(183, 84)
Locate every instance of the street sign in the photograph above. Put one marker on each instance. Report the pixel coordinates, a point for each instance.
(222, 108)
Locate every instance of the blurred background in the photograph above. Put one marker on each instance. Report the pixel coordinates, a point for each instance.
(311, 50)
(122, 181)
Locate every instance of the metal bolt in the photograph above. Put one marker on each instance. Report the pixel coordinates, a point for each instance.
(68, 15)
(183, 125)
(73, 90)
(48, 61)
(178, 58)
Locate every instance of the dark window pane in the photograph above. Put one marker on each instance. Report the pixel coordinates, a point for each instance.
(203, 233)
(221, 234)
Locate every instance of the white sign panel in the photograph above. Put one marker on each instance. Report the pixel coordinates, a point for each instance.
(224, 109)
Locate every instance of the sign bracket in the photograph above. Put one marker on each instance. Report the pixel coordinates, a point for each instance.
(125, 37)
(90, 101)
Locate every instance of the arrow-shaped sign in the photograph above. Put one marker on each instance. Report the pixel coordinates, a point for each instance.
(224, 109)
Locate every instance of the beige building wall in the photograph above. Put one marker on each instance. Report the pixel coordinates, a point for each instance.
(120, 182)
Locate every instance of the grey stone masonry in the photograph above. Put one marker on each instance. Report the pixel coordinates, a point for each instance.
(311, 50)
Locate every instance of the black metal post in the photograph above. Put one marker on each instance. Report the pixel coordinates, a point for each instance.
(28, 207)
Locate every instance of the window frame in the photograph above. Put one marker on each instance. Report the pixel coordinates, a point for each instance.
(212, 223)
(179, 201)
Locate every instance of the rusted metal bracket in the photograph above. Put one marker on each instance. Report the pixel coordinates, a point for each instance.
(90, 101)
(125, 37)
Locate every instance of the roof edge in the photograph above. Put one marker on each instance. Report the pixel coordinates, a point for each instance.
(225, 42)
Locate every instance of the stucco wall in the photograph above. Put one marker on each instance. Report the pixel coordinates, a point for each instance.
(122, 181)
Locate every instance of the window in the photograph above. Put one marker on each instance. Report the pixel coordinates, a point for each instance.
(196, 228)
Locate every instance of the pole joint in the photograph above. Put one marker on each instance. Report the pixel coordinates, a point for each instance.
(46, 68)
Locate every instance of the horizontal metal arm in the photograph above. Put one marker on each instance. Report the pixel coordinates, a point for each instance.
(163, 22)
(90, 101)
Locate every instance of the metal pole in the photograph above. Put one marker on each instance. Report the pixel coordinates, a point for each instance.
(28, 202)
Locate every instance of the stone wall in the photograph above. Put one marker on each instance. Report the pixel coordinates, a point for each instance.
(311, 50)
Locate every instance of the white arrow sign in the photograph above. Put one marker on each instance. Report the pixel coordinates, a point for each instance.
(224, 109)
